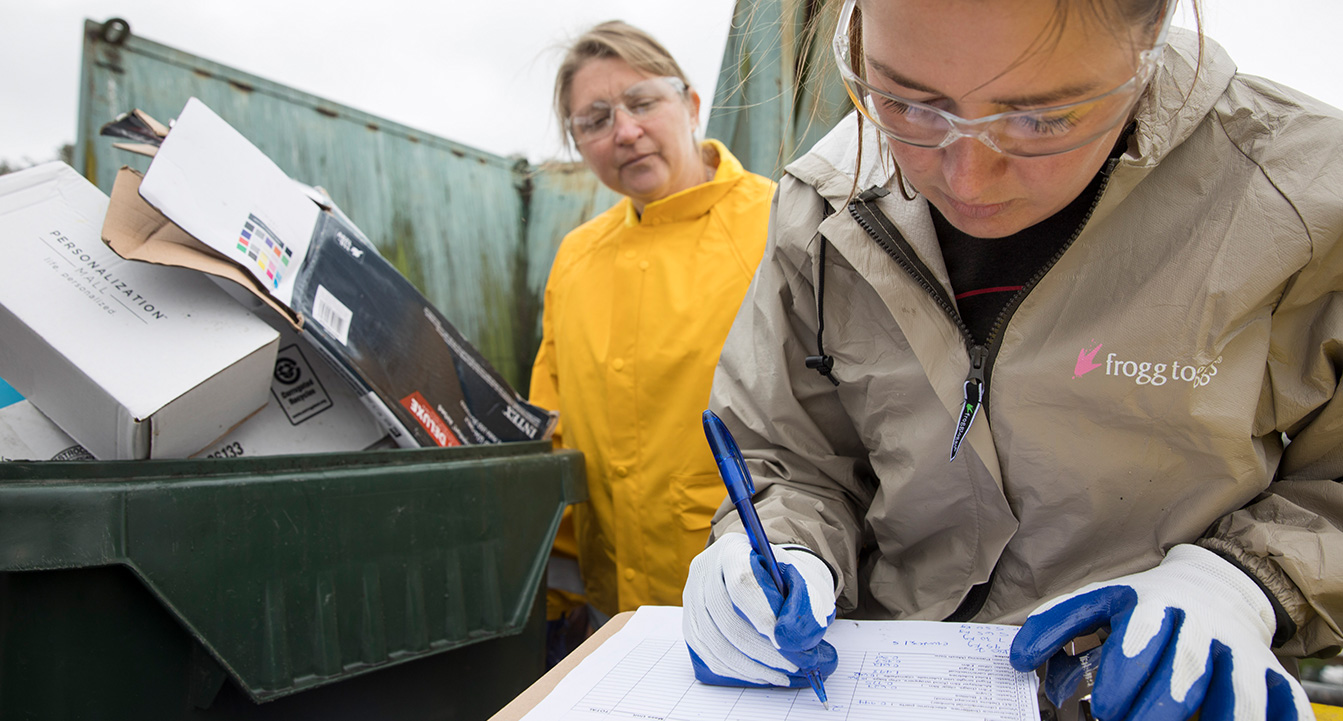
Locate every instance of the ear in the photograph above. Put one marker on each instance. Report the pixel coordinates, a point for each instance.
(692, 98)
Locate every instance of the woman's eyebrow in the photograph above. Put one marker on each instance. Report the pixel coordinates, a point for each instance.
(1043, 99)
(899, 79)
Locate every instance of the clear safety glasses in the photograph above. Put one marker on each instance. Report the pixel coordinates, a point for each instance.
(640, 100)
(1029, 132)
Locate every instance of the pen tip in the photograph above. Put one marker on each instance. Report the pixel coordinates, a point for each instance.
(826, 704)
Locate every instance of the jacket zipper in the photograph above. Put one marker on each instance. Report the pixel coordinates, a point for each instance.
(880, 229)
(972, 391)
(976, 387)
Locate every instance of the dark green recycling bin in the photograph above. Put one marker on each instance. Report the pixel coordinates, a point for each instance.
(377, 585)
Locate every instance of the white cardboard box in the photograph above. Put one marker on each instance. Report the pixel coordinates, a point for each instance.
(132, 360)
(27, 435)
(311, 410)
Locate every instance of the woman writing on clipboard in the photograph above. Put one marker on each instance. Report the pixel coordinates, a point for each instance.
(1050, 332)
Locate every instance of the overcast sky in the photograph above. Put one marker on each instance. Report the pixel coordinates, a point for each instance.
(480, 73)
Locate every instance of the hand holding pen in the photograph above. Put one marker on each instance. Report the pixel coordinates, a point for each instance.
(752, 619)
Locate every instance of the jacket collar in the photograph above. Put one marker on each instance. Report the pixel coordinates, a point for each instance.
(1180, 96)
(693, 202)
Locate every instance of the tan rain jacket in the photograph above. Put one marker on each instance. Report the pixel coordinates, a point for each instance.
(1137, 398)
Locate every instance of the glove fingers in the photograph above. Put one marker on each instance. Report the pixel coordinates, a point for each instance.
(712, 670)
(738, 606)
(819, 581)
(713, 630)
(739, 633)
(705, 673)
(796, 627)
(1163, 697)
(1121, 676)
(756, 601)
(725, 663)
(696, 624)
(822, 658)
(1062, 675)
(1059, 622)
(1286, 699)
(1249, 678)
(744, 637)
(1219, 702)
(1231, 698)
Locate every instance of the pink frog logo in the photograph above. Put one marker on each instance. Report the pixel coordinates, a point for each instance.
(1086, 360)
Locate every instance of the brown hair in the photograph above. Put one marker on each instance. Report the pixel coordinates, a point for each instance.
(612, 39)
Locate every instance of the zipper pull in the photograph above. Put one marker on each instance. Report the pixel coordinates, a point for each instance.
(872, 194)
(974, 396)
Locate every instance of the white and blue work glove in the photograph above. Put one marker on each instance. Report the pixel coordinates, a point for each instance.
(1192, 634)
(742, 632)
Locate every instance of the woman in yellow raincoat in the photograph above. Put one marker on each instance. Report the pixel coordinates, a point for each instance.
(637, 307)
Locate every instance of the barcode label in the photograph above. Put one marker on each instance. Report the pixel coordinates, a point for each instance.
(332, 314)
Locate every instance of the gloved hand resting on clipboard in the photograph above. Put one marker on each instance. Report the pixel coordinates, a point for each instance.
(1192, 634)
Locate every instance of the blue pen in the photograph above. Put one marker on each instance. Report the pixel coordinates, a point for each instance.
(732, 467)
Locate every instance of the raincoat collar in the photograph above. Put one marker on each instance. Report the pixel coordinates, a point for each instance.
(692, 202)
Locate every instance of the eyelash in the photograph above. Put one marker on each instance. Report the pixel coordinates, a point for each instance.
(1052, 125)
(1046, 125)
(896, 106)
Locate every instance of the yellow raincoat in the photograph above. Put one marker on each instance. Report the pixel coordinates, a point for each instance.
(636, 312)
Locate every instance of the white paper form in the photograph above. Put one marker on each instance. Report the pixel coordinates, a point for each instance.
(887, 670)
(208, 179)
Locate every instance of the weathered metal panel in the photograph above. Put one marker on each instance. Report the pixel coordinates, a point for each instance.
(558, 197)
(778, 90)
(453, 219)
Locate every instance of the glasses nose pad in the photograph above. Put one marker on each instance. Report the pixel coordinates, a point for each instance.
(984, 137)
(630, 122)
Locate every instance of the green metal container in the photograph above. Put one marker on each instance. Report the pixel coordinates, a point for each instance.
(387, 584)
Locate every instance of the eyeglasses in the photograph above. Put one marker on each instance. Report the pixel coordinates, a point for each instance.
(1028, 133)
(640, 100)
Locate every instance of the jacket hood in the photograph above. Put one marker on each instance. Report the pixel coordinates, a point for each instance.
(1179, 97)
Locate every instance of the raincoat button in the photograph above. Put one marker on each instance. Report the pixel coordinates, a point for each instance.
(629, 574)
(618, 363)
(622, 471)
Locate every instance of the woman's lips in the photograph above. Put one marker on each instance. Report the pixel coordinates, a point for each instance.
(636, 159)
(977, 211)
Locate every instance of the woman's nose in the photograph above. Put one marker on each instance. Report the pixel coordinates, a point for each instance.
(971, 168)
(626, 128)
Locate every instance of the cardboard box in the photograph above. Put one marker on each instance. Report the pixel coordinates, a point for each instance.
(311, 410)
(212, 202)
(130, 360)
(8, 395)
(27, 435)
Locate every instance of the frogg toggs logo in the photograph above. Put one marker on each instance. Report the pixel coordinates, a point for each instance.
(1144, 373)
(1086, 361)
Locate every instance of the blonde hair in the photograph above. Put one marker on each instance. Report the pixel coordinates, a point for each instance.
(612, 39)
